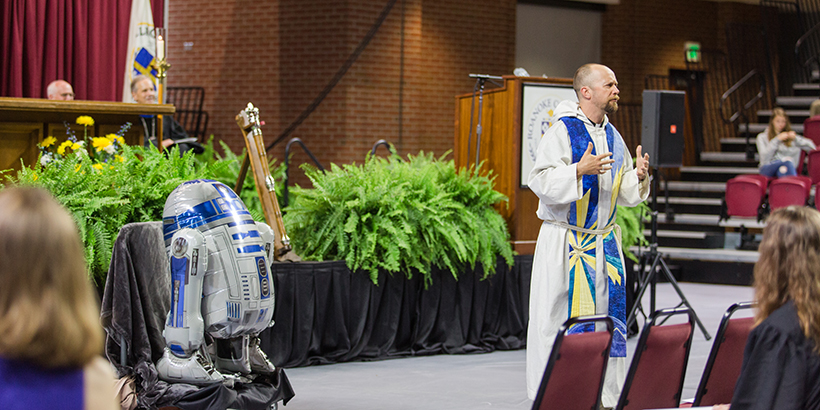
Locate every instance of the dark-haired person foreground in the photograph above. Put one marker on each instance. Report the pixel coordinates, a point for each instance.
(781, 363)
(52, 340)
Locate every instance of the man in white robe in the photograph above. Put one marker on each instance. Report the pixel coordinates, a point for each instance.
(582, 170)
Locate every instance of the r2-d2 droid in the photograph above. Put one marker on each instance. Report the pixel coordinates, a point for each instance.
(221, 285)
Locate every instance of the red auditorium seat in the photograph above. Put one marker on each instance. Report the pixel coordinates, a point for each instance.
(574, 376)
(811, 129)
(655, 376)
(725, 359)
(785, 191)
(744, 195)
(814, 166)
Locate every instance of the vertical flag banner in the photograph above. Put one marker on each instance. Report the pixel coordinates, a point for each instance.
(141, 46)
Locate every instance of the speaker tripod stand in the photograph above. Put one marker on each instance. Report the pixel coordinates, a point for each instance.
(648, 279)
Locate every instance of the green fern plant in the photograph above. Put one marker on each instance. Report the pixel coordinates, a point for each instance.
(396, 215)
(134, 190)
(631, 220)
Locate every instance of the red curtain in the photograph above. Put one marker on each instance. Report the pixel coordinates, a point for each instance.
(81, 41)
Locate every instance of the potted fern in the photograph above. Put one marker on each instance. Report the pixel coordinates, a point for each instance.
(400, 215)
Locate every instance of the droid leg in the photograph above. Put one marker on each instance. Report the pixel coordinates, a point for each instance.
(266, 233)
(184, 358)
(242, 354)
(232, 355)
(259, 360)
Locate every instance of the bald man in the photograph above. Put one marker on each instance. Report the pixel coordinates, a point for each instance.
(582, 171)
(60, 90)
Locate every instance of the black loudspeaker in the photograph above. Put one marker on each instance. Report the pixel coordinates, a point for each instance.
(662, 132)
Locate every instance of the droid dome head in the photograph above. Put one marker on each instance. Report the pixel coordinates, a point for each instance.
(202, 204)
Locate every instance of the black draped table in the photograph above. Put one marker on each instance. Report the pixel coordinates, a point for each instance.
(327, 314)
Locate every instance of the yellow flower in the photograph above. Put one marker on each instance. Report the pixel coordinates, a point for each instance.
(115, 138)
(77, 168)
(67, 144)
(36, 177)
(75, 146)
(98, 166)
(85, 121)
(48, 142)
(119, 158)
(100, 143)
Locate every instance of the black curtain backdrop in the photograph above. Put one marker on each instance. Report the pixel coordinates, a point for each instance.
(327, 314)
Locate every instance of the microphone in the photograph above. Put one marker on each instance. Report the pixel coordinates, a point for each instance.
(486, 76)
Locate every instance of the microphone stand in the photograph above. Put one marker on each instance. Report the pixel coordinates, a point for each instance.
(479, 84)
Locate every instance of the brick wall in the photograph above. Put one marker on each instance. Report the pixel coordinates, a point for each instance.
(280, 55)
(643, 37)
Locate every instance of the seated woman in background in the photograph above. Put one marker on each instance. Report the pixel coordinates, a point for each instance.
(781, 363)
(779, 147)
(50, 333)
(814, 108)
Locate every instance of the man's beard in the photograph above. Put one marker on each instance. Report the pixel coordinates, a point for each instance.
(611, 106)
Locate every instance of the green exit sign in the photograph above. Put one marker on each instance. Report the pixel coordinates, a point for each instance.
(692, 51)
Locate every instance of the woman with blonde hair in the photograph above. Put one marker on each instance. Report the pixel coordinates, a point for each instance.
(781, 363)
(50, 335)
(779, 146)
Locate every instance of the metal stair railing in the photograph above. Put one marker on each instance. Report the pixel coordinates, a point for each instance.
(292, 141)
(386, 145)
(741, 113)
(812, 62)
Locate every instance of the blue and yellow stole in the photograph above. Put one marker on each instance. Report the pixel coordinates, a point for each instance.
(582, 246)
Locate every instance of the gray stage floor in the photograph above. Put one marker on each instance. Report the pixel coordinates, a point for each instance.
(494, 380)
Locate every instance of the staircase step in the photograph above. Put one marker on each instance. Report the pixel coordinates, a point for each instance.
(714, 173)
(728, 157)
(687, 239)
(797, 101)
(676, 200)
(688, 205)
(691, 219)
(737, 222)
(719, 170)
(757, 128)
(712, 255)
(795, 116)
(695, 186)
(807, 89)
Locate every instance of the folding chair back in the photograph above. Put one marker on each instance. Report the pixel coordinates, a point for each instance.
(188, 102)
(717, 384)
(786, 191)
(655, 377)
(744, 194)
(814, 166)
(811, 129)
(574, 376)
(802, 162)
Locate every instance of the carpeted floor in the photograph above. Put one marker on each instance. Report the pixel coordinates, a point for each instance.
(494, 380)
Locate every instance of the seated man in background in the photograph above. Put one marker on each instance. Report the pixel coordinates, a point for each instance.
(144, 92)
(60, 90)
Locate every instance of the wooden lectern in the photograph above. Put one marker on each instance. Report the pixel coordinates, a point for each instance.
(25, 122)
(508, 133)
